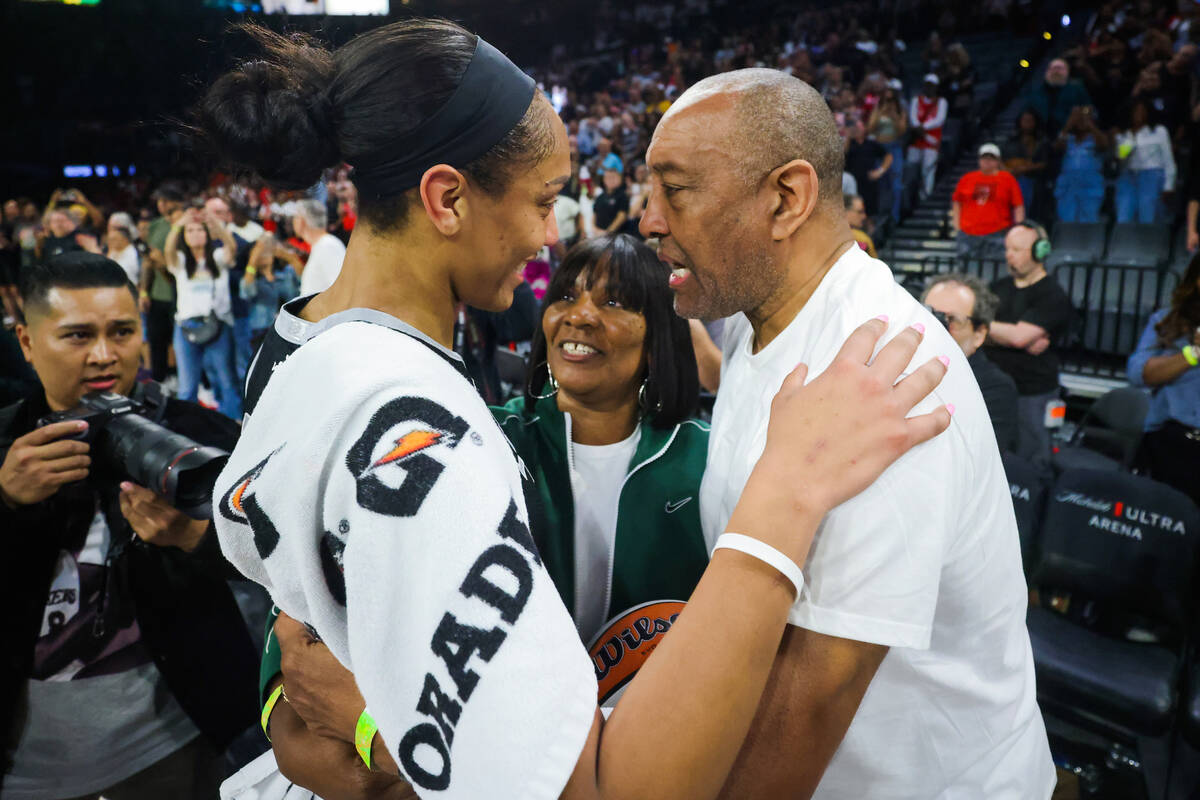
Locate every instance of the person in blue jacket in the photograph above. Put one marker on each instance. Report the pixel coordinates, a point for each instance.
(1167, 360)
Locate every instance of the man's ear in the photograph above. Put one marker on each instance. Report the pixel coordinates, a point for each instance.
(25, 340)
(443, 194)
(980, 335)
(794, 188)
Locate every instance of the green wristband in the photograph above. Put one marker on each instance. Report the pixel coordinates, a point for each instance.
(268, 708)
(1191, 355)
(364, 735)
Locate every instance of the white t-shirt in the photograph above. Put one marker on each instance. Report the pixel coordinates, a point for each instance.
(128, 259)
(250, 232)
(203, 292)
(324, 264)
(566, 215)
(597, 475)
(926, 561)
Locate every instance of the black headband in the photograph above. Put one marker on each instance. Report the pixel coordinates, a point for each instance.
(489, 101)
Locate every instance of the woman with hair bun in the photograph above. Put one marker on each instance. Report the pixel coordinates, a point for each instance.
(375, 497)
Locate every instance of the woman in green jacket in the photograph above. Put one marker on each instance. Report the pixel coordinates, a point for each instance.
(606, 430)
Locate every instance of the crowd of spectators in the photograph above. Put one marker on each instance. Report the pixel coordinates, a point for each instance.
(1106, 125)
(213, 262)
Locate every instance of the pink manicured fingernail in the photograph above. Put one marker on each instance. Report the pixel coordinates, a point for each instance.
(81, 425)
(950, 408)
(945, 361)
(918, 327)
(882, 318)
(126, 486)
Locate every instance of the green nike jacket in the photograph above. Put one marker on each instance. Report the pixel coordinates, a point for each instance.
(659, 551)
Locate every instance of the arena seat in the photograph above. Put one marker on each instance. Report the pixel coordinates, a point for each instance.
(1109, 434)
(1129, 683)
(1133, 244)
(1076, 243)
(1029, 485)
(1121, 549)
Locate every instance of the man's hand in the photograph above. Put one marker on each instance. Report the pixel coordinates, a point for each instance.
(41, 461)
(157, 522)
(1038, 346)
(317, 686)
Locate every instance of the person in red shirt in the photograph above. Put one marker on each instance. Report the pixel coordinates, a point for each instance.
(987, 202)
(926, 116)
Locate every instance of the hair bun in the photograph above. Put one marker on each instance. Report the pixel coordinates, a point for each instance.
(273, 117)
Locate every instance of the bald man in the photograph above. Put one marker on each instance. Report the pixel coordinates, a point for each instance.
(907, 670)
(1033, 315)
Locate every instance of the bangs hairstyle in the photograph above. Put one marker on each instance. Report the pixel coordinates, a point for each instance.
(638, 281)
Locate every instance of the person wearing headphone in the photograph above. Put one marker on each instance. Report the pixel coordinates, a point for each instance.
(1034, 314)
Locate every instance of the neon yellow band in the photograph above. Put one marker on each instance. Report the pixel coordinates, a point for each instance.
(364, 735)
(268, 708)
(1191, 355)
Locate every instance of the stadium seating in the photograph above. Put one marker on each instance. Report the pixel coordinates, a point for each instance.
(1121, 549)
(1076, 243)
(1109, 434)
(1029, 485)
(1136, 245)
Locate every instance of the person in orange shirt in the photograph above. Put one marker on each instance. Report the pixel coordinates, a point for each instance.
(987, 202)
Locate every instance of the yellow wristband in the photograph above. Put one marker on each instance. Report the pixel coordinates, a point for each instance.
(1191, 355)
(251, 271)
(364, 735)
(143, 293)
(268, 708)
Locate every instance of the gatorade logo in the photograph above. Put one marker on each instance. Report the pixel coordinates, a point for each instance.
(239, 504)
(393, 460)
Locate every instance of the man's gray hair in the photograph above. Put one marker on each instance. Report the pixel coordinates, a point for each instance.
(780, 118)
(986, 302)
(314, 213)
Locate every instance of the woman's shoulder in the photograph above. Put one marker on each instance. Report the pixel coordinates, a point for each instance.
(356, 359)
(512, 412)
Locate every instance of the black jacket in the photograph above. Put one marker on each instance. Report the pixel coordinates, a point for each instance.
(1000, 395)
(188, 618)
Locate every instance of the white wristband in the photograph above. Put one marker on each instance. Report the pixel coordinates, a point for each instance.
(765, 553)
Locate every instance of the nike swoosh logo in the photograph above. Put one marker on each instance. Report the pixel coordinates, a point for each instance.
(671, 508)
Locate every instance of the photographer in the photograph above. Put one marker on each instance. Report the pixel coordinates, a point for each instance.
(127, 669)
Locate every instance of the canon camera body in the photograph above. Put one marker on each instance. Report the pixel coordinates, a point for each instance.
(128, 443)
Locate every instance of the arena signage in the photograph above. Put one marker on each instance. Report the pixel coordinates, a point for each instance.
(1121, 518)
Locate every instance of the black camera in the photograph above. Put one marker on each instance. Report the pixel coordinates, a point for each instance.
(127, 441)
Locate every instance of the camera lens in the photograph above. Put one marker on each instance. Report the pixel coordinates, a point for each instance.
(169, 463)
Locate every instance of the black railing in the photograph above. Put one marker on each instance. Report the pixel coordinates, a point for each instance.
(1113, 305)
